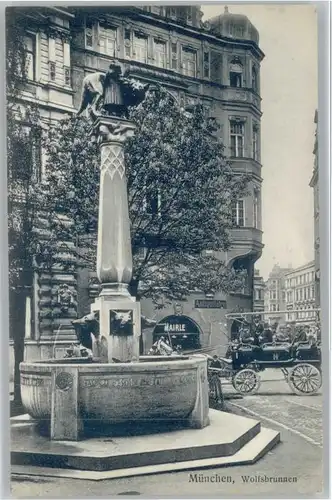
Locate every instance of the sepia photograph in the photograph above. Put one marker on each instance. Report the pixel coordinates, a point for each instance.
(164, 248)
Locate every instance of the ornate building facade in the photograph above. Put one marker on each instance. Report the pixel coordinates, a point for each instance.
(217, 63)
(275, 294)
(300, 294)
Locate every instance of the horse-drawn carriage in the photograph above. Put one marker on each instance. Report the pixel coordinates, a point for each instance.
(299, 362)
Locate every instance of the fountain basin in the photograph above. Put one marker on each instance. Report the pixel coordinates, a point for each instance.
(154, 388)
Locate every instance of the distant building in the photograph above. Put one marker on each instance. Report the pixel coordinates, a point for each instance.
(300, 294)
(259, 288)
(314, 183)
(274, 296)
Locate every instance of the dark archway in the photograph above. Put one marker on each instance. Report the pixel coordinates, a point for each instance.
(179, 330)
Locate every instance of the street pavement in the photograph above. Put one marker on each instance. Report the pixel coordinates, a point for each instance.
(276, 402)
(299, 456)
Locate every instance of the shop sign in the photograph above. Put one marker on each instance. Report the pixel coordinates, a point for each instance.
(210, 304)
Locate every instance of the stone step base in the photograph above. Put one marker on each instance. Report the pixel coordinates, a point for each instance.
(229, 439)
(250, 453)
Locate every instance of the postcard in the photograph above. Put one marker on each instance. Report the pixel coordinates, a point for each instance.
(166, 312)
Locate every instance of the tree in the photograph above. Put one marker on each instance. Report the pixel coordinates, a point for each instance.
(181, 189)
(23, 133)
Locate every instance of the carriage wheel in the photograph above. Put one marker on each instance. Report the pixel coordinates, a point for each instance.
(246, 381)
(305, 379)
(215, 390)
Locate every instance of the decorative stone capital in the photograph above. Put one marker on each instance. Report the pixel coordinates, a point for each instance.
(112, 129)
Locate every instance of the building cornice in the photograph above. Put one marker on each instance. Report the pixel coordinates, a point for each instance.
(45, 104)
(301, 268)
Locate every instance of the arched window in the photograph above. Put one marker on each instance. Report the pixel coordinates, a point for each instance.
(254, 81)
(235, 74)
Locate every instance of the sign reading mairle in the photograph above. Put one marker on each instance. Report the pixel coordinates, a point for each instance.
(210, 304)
(176, 325)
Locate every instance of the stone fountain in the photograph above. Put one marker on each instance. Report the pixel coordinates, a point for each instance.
(74, 393)
(155, 409)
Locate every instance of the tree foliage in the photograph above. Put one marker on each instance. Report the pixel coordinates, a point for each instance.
(180, 189)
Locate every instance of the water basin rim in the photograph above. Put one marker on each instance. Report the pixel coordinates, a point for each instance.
(42, 365)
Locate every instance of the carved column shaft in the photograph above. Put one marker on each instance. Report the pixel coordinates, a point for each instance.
(114, 256)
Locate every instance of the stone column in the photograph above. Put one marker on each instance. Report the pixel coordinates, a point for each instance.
(118, 312)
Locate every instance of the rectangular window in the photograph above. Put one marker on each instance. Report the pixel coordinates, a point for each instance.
(89, 35)
(238, 213)
(189, 15)
(30, 57)
(171, 12)
(51, 49)
(174, 48)
(160, 53)
(237, 138)
(66, 54)
(160, 11)
(206, 63)
(235, 74)
(255, 143)
(189, 62)
(140, 48)
(216, 66)
(107, 40)
(236, 31)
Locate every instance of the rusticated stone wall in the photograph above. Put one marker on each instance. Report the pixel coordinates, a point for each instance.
(56, 305)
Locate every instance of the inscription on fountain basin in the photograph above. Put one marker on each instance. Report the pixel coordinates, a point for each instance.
(139, 381)
(32, 381)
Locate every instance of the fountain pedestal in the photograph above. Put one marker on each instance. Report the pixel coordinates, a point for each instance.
(119, 313)
(120, 324)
